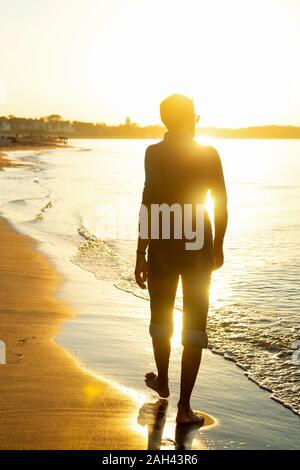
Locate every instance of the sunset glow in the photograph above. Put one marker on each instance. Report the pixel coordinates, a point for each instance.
(101, 61)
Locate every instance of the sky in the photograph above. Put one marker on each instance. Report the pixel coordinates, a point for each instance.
(103, 60)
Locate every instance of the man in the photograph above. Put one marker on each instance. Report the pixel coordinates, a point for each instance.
(179, 173)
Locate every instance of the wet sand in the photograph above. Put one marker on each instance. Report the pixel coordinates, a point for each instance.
(46, 400)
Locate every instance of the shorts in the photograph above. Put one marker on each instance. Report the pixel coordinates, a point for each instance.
(167, 260)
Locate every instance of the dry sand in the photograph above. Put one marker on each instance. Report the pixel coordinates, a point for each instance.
(46, 400)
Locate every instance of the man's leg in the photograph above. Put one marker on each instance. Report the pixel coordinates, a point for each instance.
(191, 358)
(162, 290)
(162, 350)
(195, 287)
(160, 382)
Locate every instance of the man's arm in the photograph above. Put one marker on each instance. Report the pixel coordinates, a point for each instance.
(219, 196)
(140, 271)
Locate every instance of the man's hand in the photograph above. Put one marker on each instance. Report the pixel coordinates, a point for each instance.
(219, 257)
(140, 271)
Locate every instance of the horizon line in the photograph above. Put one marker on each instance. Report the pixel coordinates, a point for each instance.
(136, 124)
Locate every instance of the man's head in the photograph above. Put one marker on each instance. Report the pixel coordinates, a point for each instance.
(177, 112)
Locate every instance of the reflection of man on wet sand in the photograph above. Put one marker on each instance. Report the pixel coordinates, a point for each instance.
(154, 415)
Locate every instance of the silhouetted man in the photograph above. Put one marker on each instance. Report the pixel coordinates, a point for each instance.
(179, 173)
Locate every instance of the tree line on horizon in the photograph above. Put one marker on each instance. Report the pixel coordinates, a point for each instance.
(55, 124)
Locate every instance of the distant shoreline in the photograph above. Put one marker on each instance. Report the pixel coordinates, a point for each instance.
(9, 147)
(199, 135)
(56, 128)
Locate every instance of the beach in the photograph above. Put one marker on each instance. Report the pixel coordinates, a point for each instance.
(46, 400)
(113, 150)
(74, 376)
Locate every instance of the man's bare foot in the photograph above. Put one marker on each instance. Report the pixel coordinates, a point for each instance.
(152, 382)
(187, 416)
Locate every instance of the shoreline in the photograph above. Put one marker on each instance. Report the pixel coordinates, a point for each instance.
(197, 136)
(243, 414)
(7, 162)
(46, 400)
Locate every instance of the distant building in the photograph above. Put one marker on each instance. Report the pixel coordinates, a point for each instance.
(4, 125)
(60, 127)
(36, 126)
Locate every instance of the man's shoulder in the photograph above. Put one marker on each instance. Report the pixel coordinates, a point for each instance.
(207, 154)
(154, 148)
(206, 150)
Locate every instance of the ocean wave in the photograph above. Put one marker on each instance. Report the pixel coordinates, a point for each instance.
(100, 258)
(40, 215)
(260, 346)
